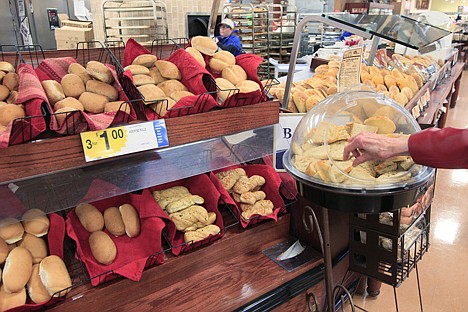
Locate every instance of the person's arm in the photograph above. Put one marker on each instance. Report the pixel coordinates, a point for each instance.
(231, 44)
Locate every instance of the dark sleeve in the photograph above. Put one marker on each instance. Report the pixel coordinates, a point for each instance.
(445, 148)
(229, 48)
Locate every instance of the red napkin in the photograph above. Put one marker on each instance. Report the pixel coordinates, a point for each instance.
(271, 189)
(197, 185)
(132, 253)
(287, 180)
(132, 50)
(31, 94)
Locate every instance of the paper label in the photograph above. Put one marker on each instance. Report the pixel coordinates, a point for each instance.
(350, 69)
(284, 131)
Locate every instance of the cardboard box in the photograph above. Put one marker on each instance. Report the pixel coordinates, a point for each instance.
(65, 21)
(65, 45)
(68, 36)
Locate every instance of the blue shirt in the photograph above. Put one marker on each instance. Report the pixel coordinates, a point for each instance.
(231, 44)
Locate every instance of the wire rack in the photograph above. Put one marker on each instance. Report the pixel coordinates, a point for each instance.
(163, 48)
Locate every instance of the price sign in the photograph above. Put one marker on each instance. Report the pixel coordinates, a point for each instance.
(350, 69)
(284, 131)
(124, 140)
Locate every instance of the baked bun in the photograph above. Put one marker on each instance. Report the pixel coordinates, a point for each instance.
(156, 75)
(90, 217)
(113, 221)
(36, 289)
(137, 69)
(146, 60)
(141, 80)
(69, 102)
(10, 112)
(6, 67)
(196, 55)
(4, 251)
(102, 88)
(176, 96)
(168, 70)
(2, 75)
(35, 245)
(234, 73)
(116, 106)
(204, 44)
(247, 86)
(54, 276)
(17, 270)
(4, 93)
(62, 113)
(225, 84)
(382, 123)
(102, 247)
(72, 85)
(221, 60)
(53, 90)
(131, 220)
(11, 300)
(11, 81)
(11, 230)
(12, 98)
(92, 102)
(99, 71)
(171, 86)
(162, 107)
(151, 93)
(80, 71)
(35, 222)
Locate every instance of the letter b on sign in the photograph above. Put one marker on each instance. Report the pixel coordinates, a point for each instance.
(287, 133)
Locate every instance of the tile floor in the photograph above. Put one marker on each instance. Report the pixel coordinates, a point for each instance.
(444, 268)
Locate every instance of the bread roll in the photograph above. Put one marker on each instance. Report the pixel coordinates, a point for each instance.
(99, 71)
(10, 112)
(90, 217)
(113, 221)
(54, 276)
(70, 102)
(35, 222)
(204, 44)
(168, 70)
(225, 84)
(162, 107)
(102, 88)
(11, 230)
(12, 98)
(156, 75)
(2, 75)
(53, 90)
(171, 86)
(6, 67)
(234, 73)
(11, 300)
(116, 106)
(11, 81)
(196, 55)
(80, 71)
(35, 245)
(221, 60)
(137, 69)
(141, 80)
(62, 113)
(72, 85)
(201, 234)
(383, 124)
(146, 60)
(151, 93)
(36, 289)
(131, 220)
(102, 247)
(4, 251)
(92, 102)
(4, 93)
(17, 270)
(176, 96)
(247, 86)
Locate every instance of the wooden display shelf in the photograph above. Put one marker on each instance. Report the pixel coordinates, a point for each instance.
(51, 155)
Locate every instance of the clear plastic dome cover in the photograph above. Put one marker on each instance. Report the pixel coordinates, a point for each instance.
(316, 151)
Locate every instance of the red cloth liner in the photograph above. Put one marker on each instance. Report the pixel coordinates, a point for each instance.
(55, 69)
(287, 180)
(197, 185)
(271, 189)
(31, 94)
(132, 253)
(132, 50)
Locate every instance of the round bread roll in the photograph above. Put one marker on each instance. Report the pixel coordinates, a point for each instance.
(156, 75)
(103, 89)
(162, 107)
(4, 251)
(137, 69)
(2, 75)
(221, 60)
(225, 84)
(234, 73)
(176, 96)
(12, 98)
(17, 270)
(10, 112)
(168, 70)
(11, 300)
(35, 245)
(146, 60)
(102, 247)
(247, 86)
(53, 90)
(4, 93)
(92, 102)
(70, 102)
(11, 230)
(80, 71)
(6, 67)
(36, 290)
(204, 44)
(35, 222)
(99, 71)
(62, 113)
(151, 93)
(54, 276)
(141, 80)
(90, 217)
(171, 86)
(11, 81)
(196, 55)
(72, 85)
(116, 106)
(382, 123)
(131, 220)
(2, 103)
(113, 221)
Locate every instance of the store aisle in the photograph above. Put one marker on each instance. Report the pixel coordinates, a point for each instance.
(444, 269)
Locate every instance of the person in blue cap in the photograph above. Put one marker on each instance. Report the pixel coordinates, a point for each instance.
(227, 41)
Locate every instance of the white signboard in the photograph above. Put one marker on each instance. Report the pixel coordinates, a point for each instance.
(284, 131)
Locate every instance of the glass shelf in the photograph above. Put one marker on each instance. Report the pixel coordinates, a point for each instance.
(65, 189)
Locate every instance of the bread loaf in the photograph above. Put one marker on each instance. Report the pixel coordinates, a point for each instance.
(151, 93)
(6, 67)
(90, 217)
(163, 106)
(146, 60)
(4, 251)
(113, 221)
(54, 276)
(4, 93)
(204, 44)
(192, 218)
(53, 90)
(170, 192)
(184, 202)
(221, 60)
(80, 71)
(234, 73)
(72, 85)
(17, 270)
(12, 98)
(11, 230)
(36, 290)
(35, 245)
(116, 106)
(252, 197)
(137, 69)
(168, 70)
(69, 102)
(102, 88)
(11, 81)
(247, 86)
(176, 96)
(10, 112)
(156, 75)
(263, 207)
(201, 234)
(131, 220)
(99, 71)
(226, 85)
(11, 300)
(92, 102)
(171, 86)
(196, 55)
(61, 115)
(102, 247)
(141, 80)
